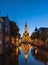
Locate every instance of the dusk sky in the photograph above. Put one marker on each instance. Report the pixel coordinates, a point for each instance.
(34, 12)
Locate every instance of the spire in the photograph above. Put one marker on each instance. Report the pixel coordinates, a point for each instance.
(25, 24)
(26, 28)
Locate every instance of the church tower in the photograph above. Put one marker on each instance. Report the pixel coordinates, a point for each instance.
(26, 30)
(26, 38)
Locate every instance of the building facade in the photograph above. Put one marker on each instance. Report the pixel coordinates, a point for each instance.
(4, 33)
(26, 37)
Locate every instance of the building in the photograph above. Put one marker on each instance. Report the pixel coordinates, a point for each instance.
(4, 33)
(26, 37)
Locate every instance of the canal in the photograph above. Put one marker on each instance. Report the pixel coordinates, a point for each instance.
(34, 56)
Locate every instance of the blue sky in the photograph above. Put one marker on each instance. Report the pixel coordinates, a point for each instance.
(34, 12)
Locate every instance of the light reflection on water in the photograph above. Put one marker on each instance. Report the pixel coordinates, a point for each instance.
(31, 59)
(35, 57)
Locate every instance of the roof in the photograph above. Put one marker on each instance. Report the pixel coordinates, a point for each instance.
(4, 17)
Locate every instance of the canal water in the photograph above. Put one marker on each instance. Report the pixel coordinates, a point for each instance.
(34, 56)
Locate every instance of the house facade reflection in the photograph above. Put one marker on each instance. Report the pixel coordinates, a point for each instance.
(40, 55)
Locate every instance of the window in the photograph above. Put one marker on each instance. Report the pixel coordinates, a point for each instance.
(0, 25)
(6, 39)
(6, 26)
(6, 30)
(0, 41)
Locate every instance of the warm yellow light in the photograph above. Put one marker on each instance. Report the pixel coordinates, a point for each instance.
(36, 51)
(26, 56)
(12, 40)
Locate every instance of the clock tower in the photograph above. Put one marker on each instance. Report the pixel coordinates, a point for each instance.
(26, 30)
(25, 37)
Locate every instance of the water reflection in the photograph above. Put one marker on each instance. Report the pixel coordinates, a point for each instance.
(34, 57)
(25, 49)
(40, 55)
(24, 56)
(10, 57)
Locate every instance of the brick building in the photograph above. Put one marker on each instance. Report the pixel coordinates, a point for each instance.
(4, 33)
